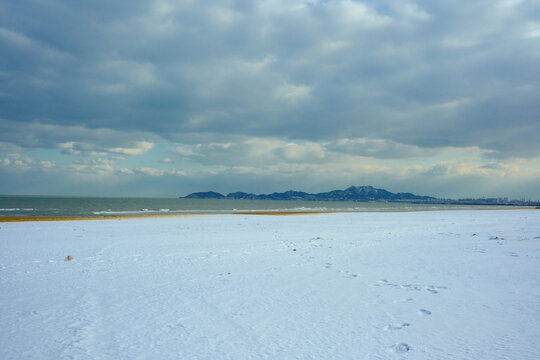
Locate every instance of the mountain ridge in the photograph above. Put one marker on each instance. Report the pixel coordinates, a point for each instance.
(352, 193)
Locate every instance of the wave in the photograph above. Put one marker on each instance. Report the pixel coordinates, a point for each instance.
(156, 211)
(296, 209)
(111, 212)
(16, 209)
(130, 212)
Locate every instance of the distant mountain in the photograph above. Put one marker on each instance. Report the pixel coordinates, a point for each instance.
(205, 195)
(353, 193)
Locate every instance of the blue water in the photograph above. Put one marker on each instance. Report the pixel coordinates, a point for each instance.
(100, 206)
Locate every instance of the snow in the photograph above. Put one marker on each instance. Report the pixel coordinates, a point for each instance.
(419, 285)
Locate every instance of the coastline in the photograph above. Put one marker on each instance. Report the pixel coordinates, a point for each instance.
(11, 219)
(101, 208)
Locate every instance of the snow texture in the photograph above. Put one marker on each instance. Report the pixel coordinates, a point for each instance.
(422, 285)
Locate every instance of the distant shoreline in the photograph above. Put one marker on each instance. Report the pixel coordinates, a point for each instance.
(366, 193)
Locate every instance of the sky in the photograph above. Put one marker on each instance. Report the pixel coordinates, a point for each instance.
(169, 97)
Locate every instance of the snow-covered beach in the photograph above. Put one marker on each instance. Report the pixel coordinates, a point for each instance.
(417, 285)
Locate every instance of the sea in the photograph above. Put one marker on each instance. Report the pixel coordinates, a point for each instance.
(73, 206)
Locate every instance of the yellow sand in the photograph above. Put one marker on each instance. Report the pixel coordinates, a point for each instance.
(71, 218)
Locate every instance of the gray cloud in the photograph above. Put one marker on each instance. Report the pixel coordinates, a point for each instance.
(378, 148)
(383, 79)
(365, 68)
(73, 138)
(253, 152)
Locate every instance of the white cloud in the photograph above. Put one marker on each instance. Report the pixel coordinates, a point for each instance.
(68, 148)
(293, 93)
(151, 171)
(22, 162)
(411, 10)
(252, 151)
(476, 167)
(309, 152)
(26, 43)
(509, 3)
(357, 14)
(380, 148)
(140, 148)
(127, 171)
(533, 30)
(159, 172)
(77, 137)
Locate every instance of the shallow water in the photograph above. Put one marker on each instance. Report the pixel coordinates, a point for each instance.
(108, 206)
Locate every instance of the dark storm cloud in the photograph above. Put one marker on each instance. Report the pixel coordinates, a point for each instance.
(415, 75)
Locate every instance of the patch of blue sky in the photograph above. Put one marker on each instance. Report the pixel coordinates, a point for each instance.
(54, 156)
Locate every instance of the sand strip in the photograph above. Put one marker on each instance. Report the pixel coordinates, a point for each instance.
(276, 213)
(73, 218)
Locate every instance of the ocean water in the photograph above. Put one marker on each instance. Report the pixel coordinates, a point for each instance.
(108, 206)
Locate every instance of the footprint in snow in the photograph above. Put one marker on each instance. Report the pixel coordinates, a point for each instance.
(411, 287)
(394, 327)
(403, 300)
(400, 348)
(382, 282)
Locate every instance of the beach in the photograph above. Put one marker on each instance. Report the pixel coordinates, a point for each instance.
(460, 284)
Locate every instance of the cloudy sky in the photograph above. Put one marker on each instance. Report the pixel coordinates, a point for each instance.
(168, 97)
